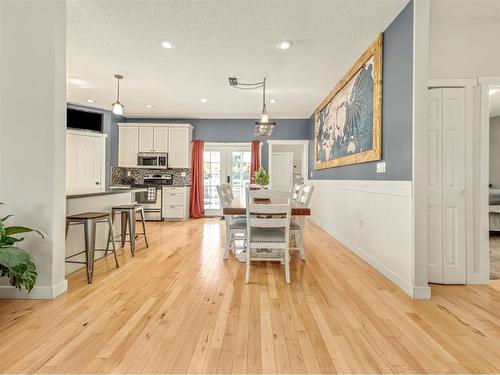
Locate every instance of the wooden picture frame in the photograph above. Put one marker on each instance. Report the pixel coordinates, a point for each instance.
(370, 62)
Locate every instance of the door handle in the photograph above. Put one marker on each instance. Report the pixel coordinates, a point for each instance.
(228, 179)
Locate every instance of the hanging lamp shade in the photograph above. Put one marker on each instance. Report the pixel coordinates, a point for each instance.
(117, 107)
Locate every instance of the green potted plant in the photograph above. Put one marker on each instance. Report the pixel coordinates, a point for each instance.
(15, 263)
(261, 177)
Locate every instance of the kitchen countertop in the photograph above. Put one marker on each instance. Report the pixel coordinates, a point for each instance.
(97, 192)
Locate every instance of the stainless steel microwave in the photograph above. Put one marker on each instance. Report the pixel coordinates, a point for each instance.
(152, 160)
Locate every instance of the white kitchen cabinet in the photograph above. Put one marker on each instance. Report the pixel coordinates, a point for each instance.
(175, 203)
(174, 139)
(160, 143)
(128, 145)
(146, 139)
(85, 160)
(179, 147)
(153, 139)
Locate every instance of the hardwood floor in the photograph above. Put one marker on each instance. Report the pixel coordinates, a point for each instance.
(178, 307)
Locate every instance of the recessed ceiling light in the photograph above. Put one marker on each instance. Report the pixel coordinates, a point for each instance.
(149, 106)
(203, 100)
(90, 100)
(166, 44)
(273, 101)
(286, 44)
(494, 91)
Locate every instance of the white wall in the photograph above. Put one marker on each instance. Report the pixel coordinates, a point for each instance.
(495, 151)
(372, 218)
(32, 123)
(464, 39)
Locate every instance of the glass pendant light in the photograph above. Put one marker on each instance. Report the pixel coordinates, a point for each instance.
(264, 127)
(117, 106)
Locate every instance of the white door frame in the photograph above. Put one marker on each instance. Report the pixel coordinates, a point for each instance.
(481, 260)
(469, 85)
(305, 153)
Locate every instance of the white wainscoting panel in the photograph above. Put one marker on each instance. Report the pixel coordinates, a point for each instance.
(371, 218)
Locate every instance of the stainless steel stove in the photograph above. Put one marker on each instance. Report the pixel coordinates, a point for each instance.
(151, 199)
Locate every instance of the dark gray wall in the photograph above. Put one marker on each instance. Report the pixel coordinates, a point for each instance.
(397, 99)
(232, 130)
(110, 128)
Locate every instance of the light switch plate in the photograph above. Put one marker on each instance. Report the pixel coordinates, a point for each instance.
(183, 174)
(381, 167)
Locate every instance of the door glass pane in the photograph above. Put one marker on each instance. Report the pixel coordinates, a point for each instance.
(240, 171)
(212, 178)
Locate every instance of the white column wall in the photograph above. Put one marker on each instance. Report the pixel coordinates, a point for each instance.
(32, 133)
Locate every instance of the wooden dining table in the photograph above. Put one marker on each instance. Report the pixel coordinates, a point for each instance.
(238, 206)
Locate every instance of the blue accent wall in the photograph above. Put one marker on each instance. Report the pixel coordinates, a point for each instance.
(233, 130)
(109, 127)
(397, 107)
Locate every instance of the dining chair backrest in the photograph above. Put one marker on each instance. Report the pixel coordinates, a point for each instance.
(305, 195)
(297, 189)
(271, 214)
(224, 198)
(228, 190)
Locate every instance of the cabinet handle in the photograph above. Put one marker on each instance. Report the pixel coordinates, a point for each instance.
(172, 206)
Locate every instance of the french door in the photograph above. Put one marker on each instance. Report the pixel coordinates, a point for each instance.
(224, 164)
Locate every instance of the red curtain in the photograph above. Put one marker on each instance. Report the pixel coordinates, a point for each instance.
(196, 207)
(255, 162)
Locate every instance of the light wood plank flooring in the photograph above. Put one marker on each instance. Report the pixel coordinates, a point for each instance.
(178, 307)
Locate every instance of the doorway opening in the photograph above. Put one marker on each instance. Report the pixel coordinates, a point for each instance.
(224, 163)
(287, 163)
(494, 181)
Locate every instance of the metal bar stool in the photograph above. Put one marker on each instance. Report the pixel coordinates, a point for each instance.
(128, 218)
(89, 221)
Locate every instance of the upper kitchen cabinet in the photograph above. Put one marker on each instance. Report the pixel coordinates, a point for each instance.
(128, 145)
(174, 139)
(153, 139)
(160, 139)
(146, 139)
(179, 146)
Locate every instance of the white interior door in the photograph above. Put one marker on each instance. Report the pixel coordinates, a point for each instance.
(281, 171)
(446, 186)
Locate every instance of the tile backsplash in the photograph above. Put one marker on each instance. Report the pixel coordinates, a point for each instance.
(119, 175)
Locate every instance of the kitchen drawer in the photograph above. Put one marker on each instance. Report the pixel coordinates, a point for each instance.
(173, 190)
(173, 212)
(173, 199)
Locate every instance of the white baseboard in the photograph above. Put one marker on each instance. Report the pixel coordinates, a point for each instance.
(38, 292)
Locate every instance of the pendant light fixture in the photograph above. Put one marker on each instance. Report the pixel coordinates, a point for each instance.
(117, 106)
(264, 127)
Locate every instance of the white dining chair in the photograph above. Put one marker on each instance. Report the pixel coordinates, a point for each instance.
(235, 225)
(297, 224)
(228, 190)
(268, 229)
(297, 189)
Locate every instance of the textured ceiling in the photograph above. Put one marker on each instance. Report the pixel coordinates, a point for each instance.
(215, 39)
